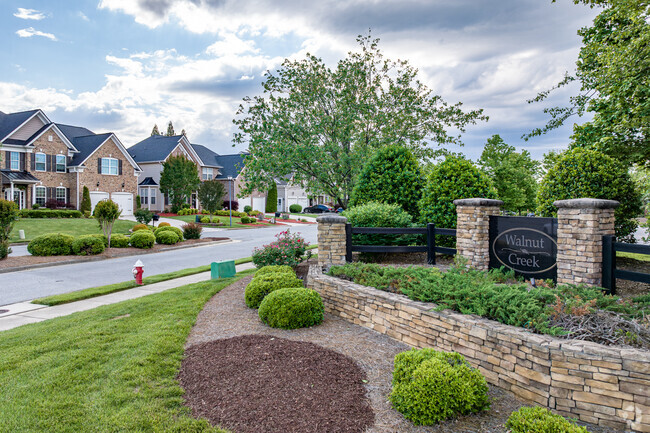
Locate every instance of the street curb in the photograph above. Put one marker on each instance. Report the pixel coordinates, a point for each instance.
(99, 259)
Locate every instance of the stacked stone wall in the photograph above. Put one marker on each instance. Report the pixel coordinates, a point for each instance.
(331, 240)
(473, 229)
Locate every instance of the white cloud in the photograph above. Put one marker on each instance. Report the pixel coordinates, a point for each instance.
(231, 45)
(30, 31)
(29, 14)
(83, 16)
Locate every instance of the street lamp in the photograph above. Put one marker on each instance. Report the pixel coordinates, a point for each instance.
(230, 199)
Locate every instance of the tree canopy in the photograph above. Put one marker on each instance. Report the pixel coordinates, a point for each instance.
(211, 194)
(170, 129)
(322, 124)
(513, 174)
(613, 69)
(179, 179)
(155, 131)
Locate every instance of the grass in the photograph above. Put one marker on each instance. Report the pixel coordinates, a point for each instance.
(223, 219)
(634, 256)
(93, 292)
(72, 226)
(109, 369)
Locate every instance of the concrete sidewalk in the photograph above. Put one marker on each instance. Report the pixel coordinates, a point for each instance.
(23, 313)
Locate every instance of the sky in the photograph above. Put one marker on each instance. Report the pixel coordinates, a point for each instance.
(125, 65)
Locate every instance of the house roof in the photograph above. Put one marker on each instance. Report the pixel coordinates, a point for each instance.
(86, 145)
(154, 149)
(209, 158)
(9, 176)
(231, 165)
(9, 122)
(148, 181)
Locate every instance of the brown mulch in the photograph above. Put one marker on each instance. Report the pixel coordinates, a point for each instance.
(625, 288)
(260, 383)
(109, 253)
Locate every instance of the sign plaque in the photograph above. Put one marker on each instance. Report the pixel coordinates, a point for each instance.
(527, 245)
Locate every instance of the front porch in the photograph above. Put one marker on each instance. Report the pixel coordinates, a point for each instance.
(17, 186)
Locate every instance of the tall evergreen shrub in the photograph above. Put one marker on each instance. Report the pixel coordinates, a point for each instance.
(86, 205)
(272, 199)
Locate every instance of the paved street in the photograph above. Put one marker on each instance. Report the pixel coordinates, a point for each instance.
(26, 285)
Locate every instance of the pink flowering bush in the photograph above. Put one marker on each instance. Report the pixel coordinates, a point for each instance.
(289, 249)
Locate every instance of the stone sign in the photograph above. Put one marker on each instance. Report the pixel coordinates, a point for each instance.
(527, 245)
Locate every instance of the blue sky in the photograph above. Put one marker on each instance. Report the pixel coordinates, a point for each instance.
(123, 65)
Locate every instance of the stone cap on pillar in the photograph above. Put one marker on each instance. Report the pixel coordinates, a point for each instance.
(331, 219)
(476, 202)
(586, 203)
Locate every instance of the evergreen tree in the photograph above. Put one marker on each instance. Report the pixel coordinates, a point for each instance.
(184, 133)
(170, 129)
(86, 205)
(155, 131)
(272, 199)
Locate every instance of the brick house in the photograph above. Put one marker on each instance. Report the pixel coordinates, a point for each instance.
(43, 160)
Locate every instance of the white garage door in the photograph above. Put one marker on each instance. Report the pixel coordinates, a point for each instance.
(96, 197)
(259, 203)
(124, 201)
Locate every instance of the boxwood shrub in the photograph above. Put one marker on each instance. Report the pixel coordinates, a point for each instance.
(430, 386)
(51, 244)
(164, 224)
(295, 208)
(166, 237)
(540, 420)
(119, 241)
(88, 245)
(271, 269)
(139, 227)
(142, 239)
(245, 220)
(261, 286)
(205, 219)
(176, 230)
(50, 213)
(292, 308)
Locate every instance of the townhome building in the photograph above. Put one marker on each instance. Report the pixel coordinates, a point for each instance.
(45, 162)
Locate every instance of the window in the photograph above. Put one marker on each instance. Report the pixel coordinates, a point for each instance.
(207, 173)
(40, 195)
(60, 163)
(39, 163)
(109, 166)
(144, 195)
(153, 196)
(60, 194)
(15, 160)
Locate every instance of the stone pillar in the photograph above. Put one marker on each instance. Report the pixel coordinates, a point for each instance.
(472, 229)
(581, 224)
(331, 240)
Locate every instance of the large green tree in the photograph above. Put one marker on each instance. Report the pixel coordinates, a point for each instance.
(322, 124)
(211, 194)
(512, 173)
(179, 179)
(613, 70)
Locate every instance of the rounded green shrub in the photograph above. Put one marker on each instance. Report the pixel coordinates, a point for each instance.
(586, 173)
(540, 420)
(51, 244)
(166, 237)
(375, 214)
(245, 220)
(272, 269)
(261, 286)
(119, 241)
(205, 220)
(4, 249)
(292, 308)
(295, 208)
(142, 239)
(392, 175)
(164, 224)
(247, 208)
(139, 227)
(430, 386)
(87, 245)
(176, 230)
(102, 238)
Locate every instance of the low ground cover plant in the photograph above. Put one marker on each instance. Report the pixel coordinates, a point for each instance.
(87, 245)
(142, 239)
(262, 285)
(52, 244)
(289, 249)
(567, 310)
(430, 386)
(292, 308)
(540, 420)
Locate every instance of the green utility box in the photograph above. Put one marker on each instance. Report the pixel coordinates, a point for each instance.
(223, 269)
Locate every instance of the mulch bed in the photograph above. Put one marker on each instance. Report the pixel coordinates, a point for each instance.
(260, 383)
(109, 253)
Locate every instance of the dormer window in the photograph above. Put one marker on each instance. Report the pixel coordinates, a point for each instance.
(207, 173)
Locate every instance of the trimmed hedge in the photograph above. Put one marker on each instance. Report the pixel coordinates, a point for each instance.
(272, 269)
(166, 237)
(176, 230)
(119, 241)
(51, 244)
(142, 239)
(87, 245)
(430, 386)
(292, 308)
(50, 213)
(540, 420)
(261, 286)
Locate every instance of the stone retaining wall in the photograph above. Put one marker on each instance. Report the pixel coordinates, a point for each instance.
(594, 383)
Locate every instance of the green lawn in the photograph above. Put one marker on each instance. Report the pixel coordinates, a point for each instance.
(634, 256)
(109, 369)
(225, 220)
(72, 226)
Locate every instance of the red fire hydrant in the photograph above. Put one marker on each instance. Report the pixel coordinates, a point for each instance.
(138, 271)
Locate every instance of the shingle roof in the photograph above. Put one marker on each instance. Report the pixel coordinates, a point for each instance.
(9, 122)
(148, 181)
(86, 145)
(208, 157)
(153, 149)
(231, 165)
(73, 132)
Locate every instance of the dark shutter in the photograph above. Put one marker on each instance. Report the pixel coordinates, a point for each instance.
(67, 195)
(51, 193)
(99, 165)
(48, 162)
(22, 162)
(119, 167)
(33, 159)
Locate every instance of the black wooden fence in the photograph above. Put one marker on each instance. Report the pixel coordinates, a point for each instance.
(430, 248)
(610, 273)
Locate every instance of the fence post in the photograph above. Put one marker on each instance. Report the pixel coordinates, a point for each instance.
(609, 264)
(473, 230)
(331, 240)
(348, 243)
(431, 243)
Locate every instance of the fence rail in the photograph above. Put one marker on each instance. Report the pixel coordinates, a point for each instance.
(610, 273)
(430, 248)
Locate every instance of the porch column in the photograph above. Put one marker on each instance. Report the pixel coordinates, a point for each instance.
(12, 194)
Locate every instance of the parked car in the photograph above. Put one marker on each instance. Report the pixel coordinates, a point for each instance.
(319, 208)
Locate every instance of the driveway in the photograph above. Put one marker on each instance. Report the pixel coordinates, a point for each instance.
(35, 283)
